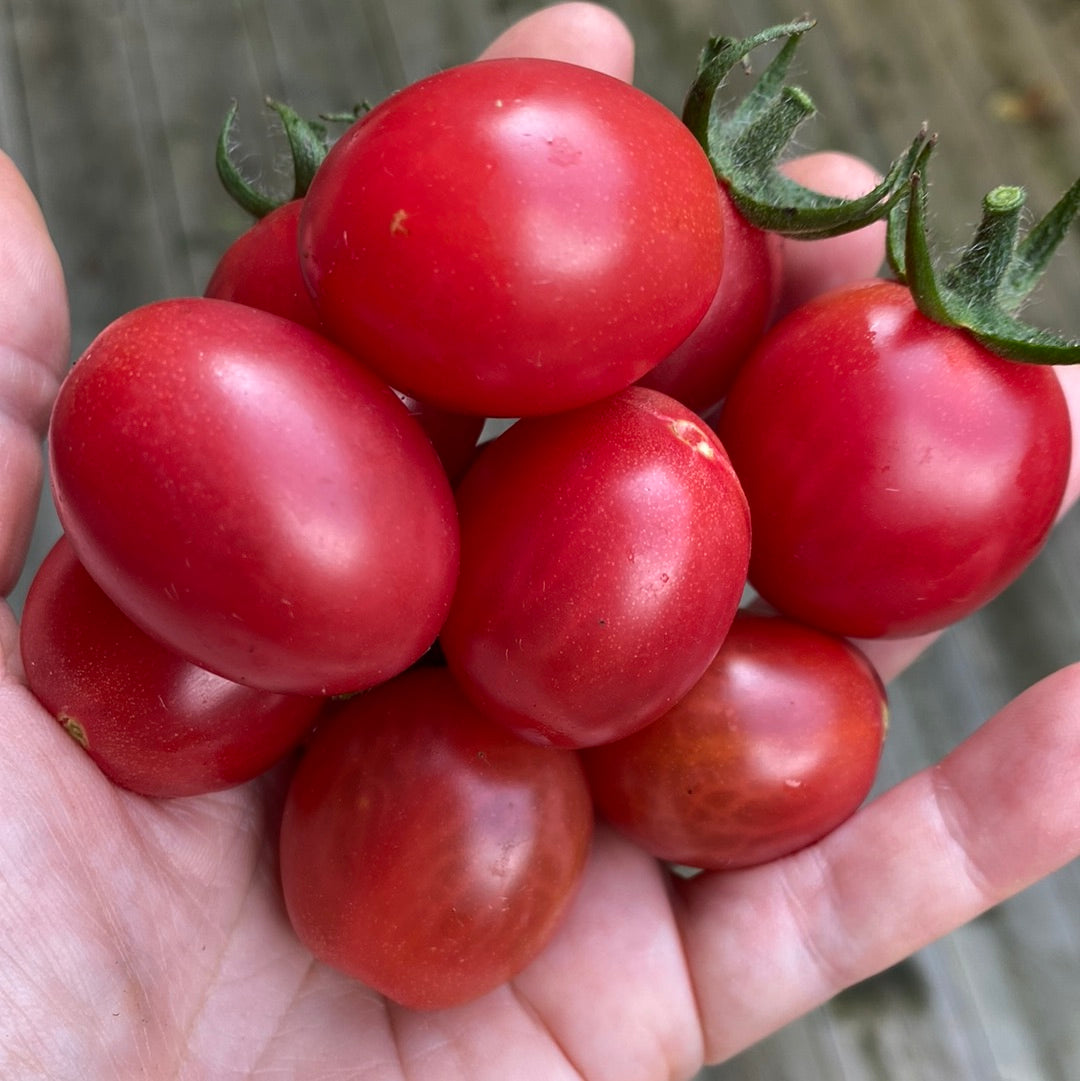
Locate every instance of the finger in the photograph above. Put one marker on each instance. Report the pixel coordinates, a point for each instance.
(618, 956)
(811, 267)
(890, 656)
(579, 33)
(997, 814)
(33, 354)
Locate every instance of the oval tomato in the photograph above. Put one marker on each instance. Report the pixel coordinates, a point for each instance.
(425, 850)
(512, 237)
(253, 498)
(604, 553)
(153, 722)
(773, 748)
(899, 475)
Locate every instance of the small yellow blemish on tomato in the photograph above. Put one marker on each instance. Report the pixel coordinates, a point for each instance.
(74, 729)
(397, 223)
(693, 436)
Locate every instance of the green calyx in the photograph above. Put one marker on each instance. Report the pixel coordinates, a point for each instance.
(983, 291)
(744, 145)
(308, 142)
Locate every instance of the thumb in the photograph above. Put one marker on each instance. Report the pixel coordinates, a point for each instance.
(578, 33)
(34, 344)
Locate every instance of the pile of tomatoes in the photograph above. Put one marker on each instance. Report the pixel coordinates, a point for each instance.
(285, 538)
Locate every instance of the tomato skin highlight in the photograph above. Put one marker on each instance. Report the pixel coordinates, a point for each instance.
(254, 498)
(604, 553)
(425, 850)
(500, 239)
(772, 749)
(899, 475)
(152, 722)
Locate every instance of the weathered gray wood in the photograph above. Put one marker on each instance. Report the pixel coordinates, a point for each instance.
(111, 107)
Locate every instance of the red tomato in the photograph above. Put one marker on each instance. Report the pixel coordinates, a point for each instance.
(513, 237)
(453, 435)
(776, 745)
(899, 475)
(153, 722)
(254, 498)
(699, 372)
(604, 553)
(425, 850)
(261, 268)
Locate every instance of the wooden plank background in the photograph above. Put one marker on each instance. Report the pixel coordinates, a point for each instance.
(111, 108)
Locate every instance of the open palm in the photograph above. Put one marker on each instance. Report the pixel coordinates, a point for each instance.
(148, 939)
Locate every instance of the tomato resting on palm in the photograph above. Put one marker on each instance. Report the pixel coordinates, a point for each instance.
(774, 747)
(425, 850)
(604, 553)
(513, 237)
(252, 497)
(152, 722)
(899, 474)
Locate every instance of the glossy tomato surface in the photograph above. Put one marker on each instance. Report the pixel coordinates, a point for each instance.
(254, 498)
(513, 237)
(775, 746)
(899, 475)
(700, 370)
(153, 722)
(604, 553)
(425, 850)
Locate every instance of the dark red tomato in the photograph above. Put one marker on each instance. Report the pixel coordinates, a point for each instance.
(453, 435)
(425, 850)
(261, 268)
(604, 554)
(513, 237)
(254, 498)
(776, 746)
(154, 723)
(699, 372)
(899, 475)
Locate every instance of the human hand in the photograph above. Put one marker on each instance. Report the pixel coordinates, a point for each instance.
(147, 938)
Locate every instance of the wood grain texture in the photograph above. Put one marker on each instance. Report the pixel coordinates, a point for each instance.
(111, 108)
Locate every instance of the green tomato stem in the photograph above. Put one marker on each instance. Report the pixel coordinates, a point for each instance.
(745, 144)
(994, 275)
(308, 146)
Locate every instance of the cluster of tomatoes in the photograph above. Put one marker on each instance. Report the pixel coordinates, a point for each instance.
(280, 531)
